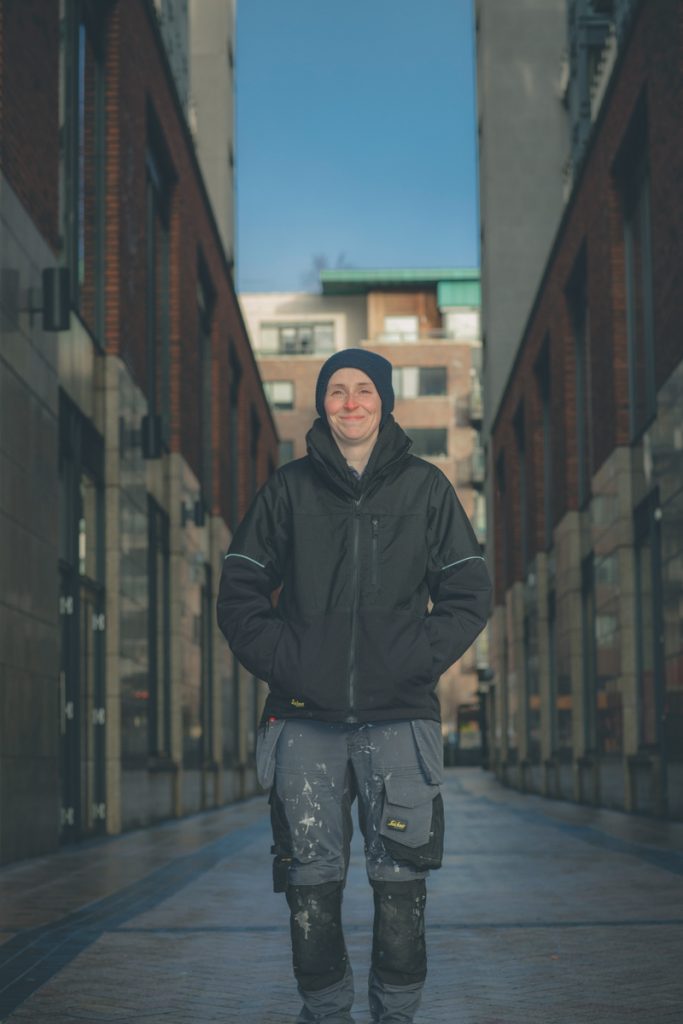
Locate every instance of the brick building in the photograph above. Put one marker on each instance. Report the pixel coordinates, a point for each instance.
(426, 322)
(586, 439)
(133, 433)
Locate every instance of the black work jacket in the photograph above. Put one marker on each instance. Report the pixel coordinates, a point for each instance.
(351, 638)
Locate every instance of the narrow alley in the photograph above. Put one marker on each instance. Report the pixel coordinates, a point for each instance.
(544, 911)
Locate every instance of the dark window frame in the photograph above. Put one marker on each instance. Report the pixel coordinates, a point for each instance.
(632, 177)
(254, 439)
(576, 296)
(234, 432)
(279, 405)
(300, 345)
(160, 178)
(206, 301)
(520, 441)
(588, 653)
(84, 29)
(419, 434)
(544, 385)
(159, 621)
(422, 378)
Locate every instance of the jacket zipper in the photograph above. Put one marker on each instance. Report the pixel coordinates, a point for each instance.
(354, 610)
(375, 552)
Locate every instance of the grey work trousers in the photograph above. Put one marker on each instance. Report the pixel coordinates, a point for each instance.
(317, 770)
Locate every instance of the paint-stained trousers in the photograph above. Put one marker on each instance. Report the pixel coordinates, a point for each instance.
(315, 771)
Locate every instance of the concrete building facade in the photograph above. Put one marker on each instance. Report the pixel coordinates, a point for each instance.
(133, 433)
(427, 324)
(585, 451)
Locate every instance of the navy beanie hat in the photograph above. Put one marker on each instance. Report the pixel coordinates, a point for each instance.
(377, 368)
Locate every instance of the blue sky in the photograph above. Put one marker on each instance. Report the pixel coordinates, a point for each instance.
(355, 137)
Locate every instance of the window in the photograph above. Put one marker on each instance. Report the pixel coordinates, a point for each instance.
(633, 180)
(234, 413)
(639, 304)
(418, 381)
(286, 451)
(157, 292)
(431, 442)
(650, 629)
(521, 457)
(205, 303)
(544, 392)
(401, 328)
(159, 632)
(231, 714)
(461, 324)
(503, 523)
(254, 453)
(206, 748)
(606, 647)
(83, 135)
(552, 669)
(280, 393)
(296, 339)
(588, 645)
(578, 314)
(533, 694)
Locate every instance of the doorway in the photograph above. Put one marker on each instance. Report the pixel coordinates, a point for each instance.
(82, 713)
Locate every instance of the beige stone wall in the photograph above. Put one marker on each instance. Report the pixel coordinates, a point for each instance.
(172, 485)
(112, 475)
(29, 498)
(605, 529)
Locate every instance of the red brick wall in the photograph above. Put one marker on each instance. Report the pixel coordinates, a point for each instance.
(653, 63)
(29, 128)
(138, 80)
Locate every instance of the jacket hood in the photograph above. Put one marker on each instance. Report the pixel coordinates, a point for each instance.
(392, 445)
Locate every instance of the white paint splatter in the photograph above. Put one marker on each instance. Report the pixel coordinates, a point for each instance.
(302, 920)
(307, 821)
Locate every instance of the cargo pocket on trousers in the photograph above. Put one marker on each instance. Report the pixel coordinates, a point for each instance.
(429, 743)
(266, 750)
(282, 843)
(413, 822)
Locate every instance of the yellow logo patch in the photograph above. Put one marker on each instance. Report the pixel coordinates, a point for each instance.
(396, 823)
(297, 703)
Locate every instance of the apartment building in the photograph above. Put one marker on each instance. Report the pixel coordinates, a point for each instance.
(585, 463)
(133, 433)
(426, 322)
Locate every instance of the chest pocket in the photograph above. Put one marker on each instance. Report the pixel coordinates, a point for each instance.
(394, 555)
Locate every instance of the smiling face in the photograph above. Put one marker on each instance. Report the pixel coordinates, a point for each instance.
(353, 407)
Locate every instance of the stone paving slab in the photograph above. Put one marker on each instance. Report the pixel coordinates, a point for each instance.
(543, 912)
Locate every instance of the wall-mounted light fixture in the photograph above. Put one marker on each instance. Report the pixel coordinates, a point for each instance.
(192, 512)
(53, 299)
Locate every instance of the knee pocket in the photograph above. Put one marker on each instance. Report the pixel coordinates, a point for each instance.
(399, 955)
(319, 952)
(412, 827)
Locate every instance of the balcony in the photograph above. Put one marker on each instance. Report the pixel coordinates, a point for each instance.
(471, 471)
(469, 408)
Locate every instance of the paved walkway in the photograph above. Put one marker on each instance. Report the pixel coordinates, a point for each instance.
(543, 912)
